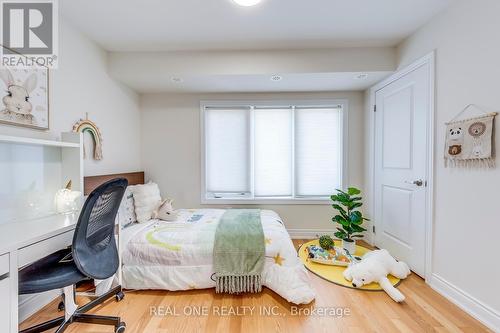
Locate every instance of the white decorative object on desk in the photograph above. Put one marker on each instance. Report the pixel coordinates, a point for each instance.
(66, 200)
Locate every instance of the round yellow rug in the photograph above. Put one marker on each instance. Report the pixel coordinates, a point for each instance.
(334, 273)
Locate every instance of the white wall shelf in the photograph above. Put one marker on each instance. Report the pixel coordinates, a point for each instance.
(38, 142)
(33, 170)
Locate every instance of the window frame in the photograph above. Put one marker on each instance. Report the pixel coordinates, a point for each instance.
(251, 104)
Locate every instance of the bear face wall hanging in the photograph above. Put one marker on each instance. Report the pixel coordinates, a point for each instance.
(469, 142)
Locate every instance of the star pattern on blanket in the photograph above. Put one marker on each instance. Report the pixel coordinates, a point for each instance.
(278, 260)
(268, 241)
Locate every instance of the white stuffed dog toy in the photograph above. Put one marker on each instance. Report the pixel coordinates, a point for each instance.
(165, 211)
(374, 267)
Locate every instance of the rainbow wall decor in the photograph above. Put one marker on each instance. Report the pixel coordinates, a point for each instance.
(87, 126)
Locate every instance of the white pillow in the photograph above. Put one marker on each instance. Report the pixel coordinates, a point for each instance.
(127, 208)
(146, 199)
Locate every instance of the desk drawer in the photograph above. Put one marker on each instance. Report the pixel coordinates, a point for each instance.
(5, 305)
(4, 264)
(33, 252)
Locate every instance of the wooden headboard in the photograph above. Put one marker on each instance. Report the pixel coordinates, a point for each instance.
(90, 183)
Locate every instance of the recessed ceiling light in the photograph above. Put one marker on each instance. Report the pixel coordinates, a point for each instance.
(276, 78)
(247, 3)
(177, 80)
(362, 76)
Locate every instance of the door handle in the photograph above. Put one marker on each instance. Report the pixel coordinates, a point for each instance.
(418, 182)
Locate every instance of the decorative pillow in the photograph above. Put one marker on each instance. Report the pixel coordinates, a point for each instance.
(164, 211)
(127, 208)
(146, 199)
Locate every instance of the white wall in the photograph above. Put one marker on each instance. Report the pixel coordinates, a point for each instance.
(81, 84)
(467, 211)
(171, 150)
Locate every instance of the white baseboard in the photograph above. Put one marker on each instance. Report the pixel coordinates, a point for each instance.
(466, 302)
(309, 233)
(316, 233)
(30, 304)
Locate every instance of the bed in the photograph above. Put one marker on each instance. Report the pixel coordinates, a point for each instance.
(178, 255)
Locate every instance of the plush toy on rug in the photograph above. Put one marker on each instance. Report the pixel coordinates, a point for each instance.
(374, 267)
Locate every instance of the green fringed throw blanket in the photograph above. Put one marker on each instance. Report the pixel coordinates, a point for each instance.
(239, 252)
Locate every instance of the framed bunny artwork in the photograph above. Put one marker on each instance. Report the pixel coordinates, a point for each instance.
(24, 94)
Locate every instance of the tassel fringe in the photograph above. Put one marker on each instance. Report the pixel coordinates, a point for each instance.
(234, 284)
(98, 152)
(472, 163)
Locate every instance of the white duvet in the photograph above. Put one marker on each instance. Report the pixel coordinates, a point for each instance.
(178, 255)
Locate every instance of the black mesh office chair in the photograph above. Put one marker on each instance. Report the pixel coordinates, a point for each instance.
(93, 255)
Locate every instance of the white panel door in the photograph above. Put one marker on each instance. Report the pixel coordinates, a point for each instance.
(401, 132)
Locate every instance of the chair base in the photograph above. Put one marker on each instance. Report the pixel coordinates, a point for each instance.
(79, 315)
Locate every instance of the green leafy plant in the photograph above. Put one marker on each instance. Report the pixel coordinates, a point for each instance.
(350, 219)
(326, 242)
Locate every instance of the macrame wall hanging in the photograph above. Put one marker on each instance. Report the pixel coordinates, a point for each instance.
(87, 126)
(469, 141)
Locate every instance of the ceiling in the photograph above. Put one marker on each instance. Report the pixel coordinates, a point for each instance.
(166, 25)
(251, 71)
(260, 83)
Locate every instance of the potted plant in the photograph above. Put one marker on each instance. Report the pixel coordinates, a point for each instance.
(350, 219)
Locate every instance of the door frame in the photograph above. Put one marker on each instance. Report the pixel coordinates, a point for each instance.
(429, 220)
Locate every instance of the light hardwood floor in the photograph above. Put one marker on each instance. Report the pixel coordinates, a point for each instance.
(423, 311)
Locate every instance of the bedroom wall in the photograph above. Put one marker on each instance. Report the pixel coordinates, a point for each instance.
(81, 84)
(171, 150)
(466, 200)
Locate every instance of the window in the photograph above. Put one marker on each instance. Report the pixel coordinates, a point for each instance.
(272, 152)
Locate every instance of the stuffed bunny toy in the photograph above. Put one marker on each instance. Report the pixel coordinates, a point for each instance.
(374, 267)
(165, 211)
(16, 101)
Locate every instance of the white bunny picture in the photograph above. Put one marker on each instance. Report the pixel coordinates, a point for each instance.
(24, 97)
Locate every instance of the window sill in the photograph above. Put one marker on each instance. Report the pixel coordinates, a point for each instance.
(266, 201)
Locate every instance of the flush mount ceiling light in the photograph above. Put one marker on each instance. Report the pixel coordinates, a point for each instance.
(247, 3)
(276, 78)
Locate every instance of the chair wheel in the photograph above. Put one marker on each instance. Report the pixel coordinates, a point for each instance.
(120, 328)
(119, 296)
(60, 306)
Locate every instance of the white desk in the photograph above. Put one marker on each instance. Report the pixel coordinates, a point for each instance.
(22, 243)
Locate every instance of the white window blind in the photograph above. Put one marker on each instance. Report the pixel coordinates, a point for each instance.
(317, 151)
(227, 150)
(273, 152)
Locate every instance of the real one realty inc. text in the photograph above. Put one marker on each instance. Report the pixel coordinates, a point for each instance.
(227, 311)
